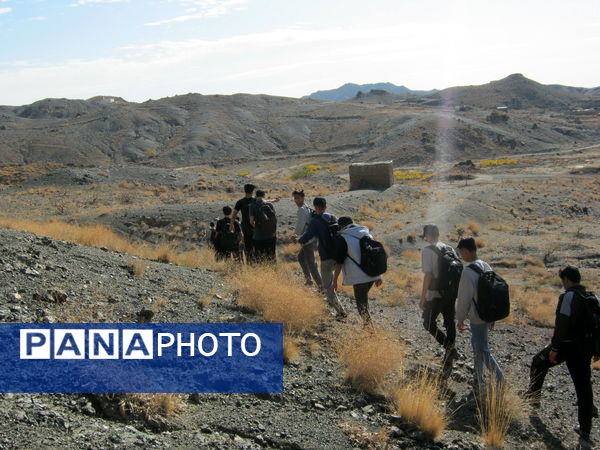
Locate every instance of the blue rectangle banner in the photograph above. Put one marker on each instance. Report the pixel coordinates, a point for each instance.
(124, 357)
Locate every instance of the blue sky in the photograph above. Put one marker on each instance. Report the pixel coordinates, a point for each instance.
(141, 49)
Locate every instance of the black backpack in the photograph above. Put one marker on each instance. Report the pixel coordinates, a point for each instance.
(228, 240)
(449, 271)
(332, 229)
(266, 220)
(493, 300)
(373, 258)
(589, 320)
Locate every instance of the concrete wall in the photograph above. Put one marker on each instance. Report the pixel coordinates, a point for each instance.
(376, 175)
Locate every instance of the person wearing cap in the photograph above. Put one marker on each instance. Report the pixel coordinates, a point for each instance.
(431, 302)
(347, 256)
(568, 345)
(465, 309)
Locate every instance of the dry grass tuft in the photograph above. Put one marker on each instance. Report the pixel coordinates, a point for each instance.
(400, 285)
(291, 351)
(365, 438)
(418, 402)
(137, 267)
(480, 242)
(371, 356)
(539, 305)
(369, 224)
(286, 300)
(472, 226)
(501, 227)
(154, 409)
(501, 407)
(411, 254)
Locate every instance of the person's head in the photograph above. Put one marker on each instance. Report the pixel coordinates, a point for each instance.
(344, 221)
(227, 211)
(249, 189)
(467, 249)
(431, 233)
(320, 205)
(298, 197)
(260, 194)
(570, 276)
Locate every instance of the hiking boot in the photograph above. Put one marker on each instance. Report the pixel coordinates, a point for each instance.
(450, 355)
(341, 316)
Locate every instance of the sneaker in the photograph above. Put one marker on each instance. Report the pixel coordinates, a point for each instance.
(341, 316)
(584, 438)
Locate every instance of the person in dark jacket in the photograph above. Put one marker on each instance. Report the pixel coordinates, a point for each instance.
(227, 243)
(320, 226)
(567, 345)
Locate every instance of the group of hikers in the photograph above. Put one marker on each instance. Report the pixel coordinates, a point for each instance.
(456, 285)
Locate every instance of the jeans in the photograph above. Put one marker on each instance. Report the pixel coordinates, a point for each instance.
(481, 353)
(579, 365)
(432, 310)
(327, 267)
(306, 258)
(264, 250)
(361, 294)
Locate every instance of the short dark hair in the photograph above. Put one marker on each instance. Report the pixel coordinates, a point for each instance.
(320, 202)
(260, 193)
(570, 273)
(226, 210)
(467, 243)
(249, 188)
(344, 221)
(299, 193)
(432, 230)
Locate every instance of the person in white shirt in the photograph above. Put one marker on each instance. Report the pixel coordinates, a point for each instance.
(306, 255)
(465, 309)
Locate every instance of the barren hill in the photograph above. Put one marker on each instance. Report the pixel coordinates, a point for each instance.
(349, 90)
(193, 129)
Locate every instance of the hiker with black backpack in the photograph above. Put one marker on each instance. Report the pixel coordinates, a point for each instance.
(472, 295)
(442, 269)
(227, 243)
(362, 260)
(324, 226)
(264, 222)
(306, 255)
(576, 341)
(243, 206)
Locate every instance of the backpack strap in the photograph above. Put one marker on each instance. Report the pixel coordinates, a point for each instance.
(474, 267)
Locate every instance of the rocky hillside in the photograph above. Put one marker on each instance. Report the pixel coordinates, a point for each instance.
(192, 129)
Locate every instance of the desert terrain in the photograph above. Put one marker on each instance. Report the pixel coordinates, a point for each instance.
(90, 206)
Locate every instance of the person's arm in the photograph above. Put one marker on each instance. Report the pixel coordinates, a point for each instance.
(234, 214)
(336, 275)
(310, 232)
(464, 299)
(561, 324)
(427, 268)
(251, 218)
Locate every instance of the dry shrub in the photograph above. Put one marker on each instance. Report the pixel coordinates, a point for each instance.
(399, 286)
(203, 302)
(501, 227)
(365, 438)
(501, 407)
(371, 356)
(291, 352)
(369, 224)
(540, 305)
(154, 408)
(411, 254)
(417, 400)
(480, 242)
(472, 226)
(137, 267)
(533, 261)
(290, 251)
(103, 237)
(285, 300)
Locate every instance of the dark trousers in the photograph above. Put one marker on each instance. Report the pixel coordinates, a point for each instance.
(579, 365)
(433, 308)
(264, 250)
(248, 243)
(361, 294)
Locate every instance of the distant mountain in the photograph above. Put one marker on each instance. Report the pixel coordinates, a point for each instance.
(514, 92)
(349, 90)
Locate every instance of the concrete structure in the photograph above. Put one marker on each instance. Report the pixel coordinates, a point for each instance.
(376, 175)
